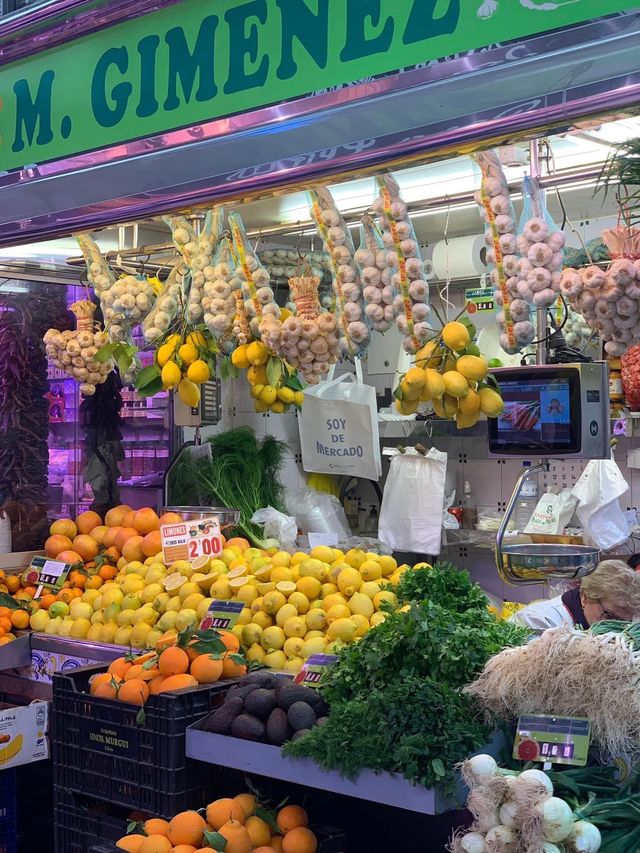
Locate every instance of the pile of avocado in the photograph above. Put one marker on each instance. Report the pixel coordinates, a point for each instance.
(268, 708)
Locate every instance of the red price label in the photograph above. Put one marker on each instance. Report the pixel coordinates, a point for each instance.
(198, 538)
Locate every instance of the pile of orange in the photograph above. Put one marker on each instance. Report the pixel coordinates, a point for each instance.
(11, 620)
(165, 670)
(235, 819)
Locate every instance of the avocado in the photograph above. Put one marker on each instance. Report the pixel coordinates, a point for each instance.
(301, 733)
(262, 678)
(220, 721)
(260, 703)
(240, 691)
(248, 727)
(288, 693)
(301, 716)
(278, 728)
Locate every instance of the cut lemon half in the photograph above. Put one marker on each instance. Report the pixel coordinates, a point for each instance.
(286, 587)
(264, 572)
(200, 564)
(206, 581)
(237, 572)
(267, 586)
(173, 581)
(238, 582)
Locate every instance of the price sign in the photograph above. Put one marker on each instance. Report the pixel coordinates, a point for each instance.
(222, 615)
(191, 539)
(479, 299)
(556, 740)
(46, 574)
(313, 669)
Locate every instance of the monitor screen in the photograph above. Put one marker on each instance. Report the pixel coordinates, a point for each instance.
(541, 412)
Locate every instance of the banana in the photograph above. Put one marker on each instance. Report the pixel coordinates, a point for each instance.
(11, 750)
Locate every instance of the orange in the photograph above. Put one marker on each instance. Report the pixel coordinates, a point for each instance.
(170, 518)
(55, 544)
(20, 619)
(264, 849)
(66, 595)
(100, 678)
(177, 682)
(5, 640)
(107, 573)
(290, 817)
(30, 591)
(64, 527)
(4, 611)
(12, 583)
(239, 543)
(187, 848)
(231, 669)
(114, 517)
(136, 691)
(98, 534)
(132, 549)
(113, 554)
(2, 633)
(5, 623)
(156, 844)
(138, 671)
(173, 661)
(230, 640)
(152, 544)
(86, 521)
(110, 536)
(155, 686)
(94, 582)
(85, 546)
(120, 667)
(107, 689)
(187, 828)
(248, 803)
(145, 520)
(71, 557)
(221, 811)
(122, 536)
(206, 669)
(258, 830)
(300, 840)
(156, 826)
(167, 640)
(143, 658)
(130, 843)
(78, 579)
(238, 839)
(46, 601)
(127, 518)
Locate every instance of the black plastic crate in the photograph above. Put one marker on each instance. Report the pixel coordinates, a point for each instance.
(329, 841)
(100, 749)
(80, 823)
(8, 809)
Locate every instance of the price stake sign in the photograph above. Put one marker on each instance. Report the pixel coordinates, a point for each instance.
(222, 615)
(191, 539)
(553, 740)
(46, 574)
(479, 299)
(313, 669)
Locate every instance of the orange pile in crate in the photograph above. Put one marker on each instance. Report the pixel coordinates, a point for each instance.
(236, 825)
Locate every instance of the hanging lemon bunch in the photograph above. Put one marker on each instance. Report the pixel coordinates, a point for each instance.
(185, 363)
(452, 375)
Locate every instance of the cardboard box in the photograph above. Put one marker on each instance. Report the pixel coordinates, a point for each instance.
(23, 737)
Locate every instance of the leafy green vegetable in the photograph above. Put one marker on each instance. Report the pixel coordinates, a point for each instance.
(445, 585)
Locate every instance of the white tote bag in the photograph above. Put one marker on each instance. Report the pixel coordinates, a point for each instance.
(413, 502)
(339, 428)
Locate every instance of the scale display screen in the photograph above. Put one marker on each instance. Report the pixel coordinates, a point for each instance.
(560, 410)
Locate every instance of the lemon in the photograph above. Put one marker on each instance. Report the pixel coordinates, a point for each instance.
(165, 352)
(272, 602)
(186, 618)
(183, 567)
(257, 354)
(280, 573)
(173, 582)
(197, 339)
(220, 589)
(203, 608)
(415, 378)
(138, 635)
(361, 604)
(256, 653)
(409, 394)
(299, 557)
(293, 647)
(285, 612)
(150, 592)
(167, 622)
(295, 626)
(371, 570)
(456, 336)
(309, 586)
(278, 407)
(251, 634)
(491, 403)
(313, 569)
(311, 635)
(193, 601)
(263, 620)
(171, 375)
(361, 623)
(434, 385)
(472, 367)
(316, 620)
(286, 395)
(108, 632)
(323, 553)
(198, 372)
(349, 581)
(446, 407)
(121, 636)
(406, 407)
(464, 421)
(273, 638)
(173, 606)
(455, 383)
(257, 375)
(189, 393)
(385, 595)
(188, 353)
(256, 606)
(269, 395)
(187, 589)
(264, 588)
(256, 391)
(275, 660)
(238, 583)
(377, 618)
(355, 557)
(300, 601)
(315, 646)
(429, 356)
(338, 611)
(281, 558)
(298, 398)
(152, 638)
(387, 564)
(470, 404)
(247, 593)
(342, 629)
(239, 357)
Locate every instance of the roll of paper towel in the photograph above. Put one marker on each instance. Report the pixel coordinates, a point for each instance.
(460, 257)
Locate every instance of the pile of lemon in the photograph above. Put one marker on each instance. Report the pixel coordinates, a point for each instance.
(451, 378)
(278, 397)
(184, 365)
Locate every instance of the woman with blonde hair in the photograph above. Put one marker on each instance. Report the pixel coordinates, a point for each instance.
(612, 591)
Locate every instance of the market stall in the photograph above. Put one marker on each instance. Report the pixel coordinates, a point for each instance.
(307, 394)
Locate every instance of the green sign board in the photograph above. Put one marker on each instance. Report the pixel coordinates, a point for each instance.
(203, 59)
(552, 740)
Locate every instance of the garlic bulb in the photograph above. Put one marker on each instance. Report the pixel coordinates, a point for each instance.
(75, 351)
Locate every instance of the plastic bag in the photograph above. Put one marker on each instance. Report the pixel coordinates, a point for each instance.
(201, 266)
(369, 546)
(552, 513)
(259, 299)
(278, 526)
(218, 300)
(598, 491)
(402, 250)
(318, 512)
(168, 305)
(347, 283)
